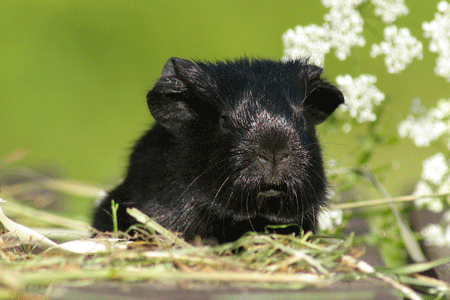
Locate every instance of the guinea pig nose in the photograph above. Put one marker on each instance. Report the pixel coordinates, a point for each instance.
(273, 156)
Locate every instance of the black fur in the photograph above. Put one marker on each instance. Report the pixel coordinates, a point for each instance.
(234, 149)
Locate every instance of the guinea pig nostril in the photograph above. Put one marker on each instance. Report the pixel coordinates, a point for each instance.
(264, 158)
(264, 155)
(282, 155)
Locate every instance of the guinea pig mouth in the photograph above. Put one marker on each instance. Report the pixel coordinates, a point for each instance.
(273, 190)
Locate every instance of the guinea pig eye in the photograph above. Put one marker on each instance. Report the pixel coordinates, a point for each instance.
(225, 123)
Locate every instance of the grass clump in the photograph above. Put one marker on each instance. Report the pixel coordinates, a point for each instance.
(157, 255)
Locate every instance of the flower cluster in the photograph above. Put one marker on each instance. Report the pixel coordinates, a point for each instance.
(438, 31)
(345, 26)
(423, 126)
(434, 169)
(435, 179)
(361, 96)
(437, 235)
(390, 10)
(329, 219)
(341, 31)
(399, 48)
(308, 41)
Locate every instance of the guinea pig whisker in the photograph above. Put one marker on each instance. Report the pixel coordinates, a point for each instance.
(319, 175)
(228, 200)
(217, 194)
(306, 89)
(292, 195)
(248, 214)
(313, 213)
(301, 189)
(219, 190)
(310, 92)
(199, 176)
(190, 185)
(312, 188)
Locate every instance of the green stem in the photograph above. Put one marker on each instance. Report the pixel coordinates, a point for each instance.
(114, 208)
(410, 241)
(383, 201)
(11, 207)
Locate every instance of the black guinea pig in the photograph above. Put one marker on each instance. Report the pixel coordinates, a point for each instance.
(234, 149)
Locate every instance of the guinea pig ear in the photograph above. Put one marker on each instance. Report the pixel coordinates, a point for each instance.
(168, 100)
(321, 100)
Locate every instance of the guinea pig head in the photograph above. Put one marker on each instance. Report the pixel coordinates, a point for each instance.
(254, 123)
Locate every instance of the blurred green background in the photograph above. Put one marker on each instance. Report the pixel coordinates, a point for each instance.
(74, 75)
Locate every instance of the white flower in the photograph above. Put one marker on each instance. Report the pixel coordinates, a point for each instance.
(435, 205)
(421, 130)
(443, 65)
(435, 179)
(309, 41)
(446, 216)
(389, 10)
(434, 168)
(423, 188)
(447, 234)
(433, 235)
(342, 30)
(329, 219)
(424, 127)
(443, 109)
(399, 48)
(438, 31)
(361, 96)
(345, 25)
